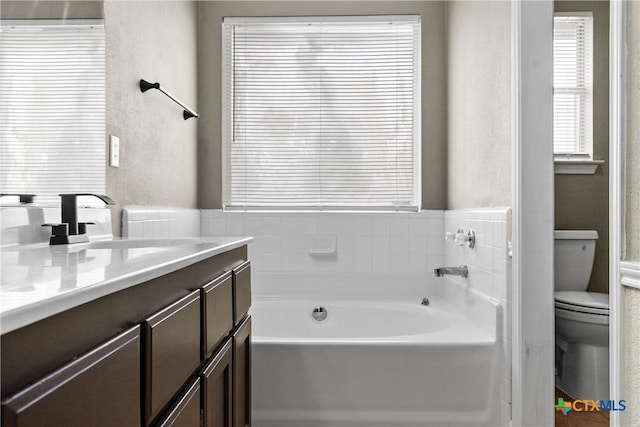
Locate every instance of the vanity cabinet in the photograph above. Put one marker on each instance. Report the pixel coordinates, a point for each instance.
(184, 360)
(241, 291)
(186, 411)
(217, 312)
(242, 374)
(100, 388)
(171, 352)
(217, 389)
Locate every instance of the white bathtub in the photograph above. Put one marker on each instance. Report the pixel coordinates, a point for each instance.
(373, 364)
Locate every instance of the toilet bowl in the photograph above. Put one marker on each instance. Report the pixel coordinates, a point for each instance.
(582, 344)
(582, 319)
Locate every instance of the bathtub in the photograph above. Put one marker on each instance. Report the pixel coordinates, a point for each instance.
(375, 364)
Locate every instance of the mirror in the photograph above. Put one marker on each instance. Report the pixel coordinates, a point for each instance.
(53, 92)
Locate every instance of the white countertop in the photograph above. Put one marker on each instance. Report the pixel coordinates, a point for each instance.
(39, 280)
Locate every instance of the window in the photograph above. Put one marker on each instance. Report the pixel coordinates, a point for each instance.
(52, 108)
(573, 86)
(321, 113)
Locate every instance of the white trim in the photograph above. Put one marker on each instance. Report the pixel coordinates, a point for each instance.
(617, 129)
(576, 167)
(630, 274)
(584, 14)
(225, 128)
(417, 126)
(319, 19)
(52, 23)
(293, 208)
(247, 136)
(532, 192)
(517, 382)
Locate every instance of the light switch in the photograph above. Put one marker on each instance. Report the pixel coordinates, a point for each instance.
(114, 151)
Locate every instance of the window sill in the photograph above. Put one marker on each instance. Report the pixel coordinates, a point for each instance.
(576, 167)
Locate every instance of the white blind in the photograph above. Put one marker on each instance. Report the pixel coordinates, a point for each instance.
(52, 108)
(573, 84)
(321, 113)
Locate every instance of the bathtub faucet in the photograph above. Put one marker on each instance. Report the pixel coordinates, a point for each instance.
(454, 271)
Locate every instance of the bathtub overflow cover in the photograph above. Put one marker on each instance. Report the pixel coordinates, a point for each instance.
(319, 313)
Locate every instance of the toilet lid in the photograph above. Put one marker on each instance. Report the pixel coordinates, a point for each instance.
(586, 302)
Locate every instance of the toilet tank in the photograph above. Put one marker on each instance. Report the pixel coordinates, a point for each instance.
(573, 259)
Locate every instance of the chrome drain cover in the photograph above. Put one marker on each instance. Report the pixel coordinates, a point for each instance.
(319, 313)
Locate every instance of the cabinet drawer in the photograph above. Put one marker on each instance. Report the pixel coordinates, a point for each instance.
(186, 412)
(217, 388)
(241, 291)
(242, 374)
(217, 312)
(100, 388)
(171, 340)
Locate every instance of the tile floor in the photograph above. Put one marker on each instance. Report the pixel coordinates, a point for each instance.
(579, 419)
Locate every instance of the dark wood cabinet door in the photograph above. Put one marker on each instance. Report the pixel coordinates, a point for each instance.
(171, 345)
(100, 389)
(186, 412)
(217, 388)
(241, 291)
(217, 312)
(242, 374)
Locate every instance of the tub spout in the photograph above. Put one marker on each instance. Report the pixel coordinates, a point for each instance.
(454, 271)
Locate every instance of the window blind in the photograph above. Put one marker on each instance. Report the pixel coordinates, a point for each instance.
(573, 84)
(321, 112)
(52, 108)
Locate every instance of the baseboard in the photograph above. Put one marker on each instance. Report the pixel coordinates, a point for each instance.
(630, 274)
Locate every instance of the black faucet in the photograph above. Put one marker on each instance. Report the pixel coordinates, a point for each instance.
(70, 230)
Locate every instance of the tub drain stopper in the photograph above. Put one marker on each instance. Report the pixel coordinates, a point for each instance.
(319, 313)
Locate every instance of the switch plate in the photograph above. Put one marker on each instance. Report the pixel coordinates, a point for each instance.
(114, 151)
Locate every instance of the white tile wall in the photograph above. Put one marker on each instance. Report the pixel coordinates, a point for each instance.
(365, 242)
(488, 262)
(155, 223)
(489, 270)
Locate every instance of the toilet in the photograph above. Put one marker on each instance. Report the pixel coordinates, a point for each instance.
(582, 319)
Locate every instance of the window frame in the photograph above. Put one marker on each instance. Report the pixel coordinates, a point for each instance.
(587, 155)
(226, 128)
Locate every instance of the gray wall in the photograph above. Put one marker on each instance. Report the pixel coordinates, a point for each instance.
(630, 350)
(633, 135)
(156, 41)
(433, 86)
(582, 201)
(479, 104)
(631, 296)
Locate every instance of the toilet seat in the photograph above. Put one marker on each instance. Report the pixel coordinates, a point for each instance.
(582, 317)
(583, 302)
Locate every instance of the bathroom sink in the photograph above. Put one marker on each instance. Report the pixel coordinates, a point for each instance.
(142, 243)
(160, 243)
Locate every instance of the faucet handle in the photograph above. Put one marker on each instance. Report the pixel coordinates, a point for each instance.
(82, 227)
(61, 229)
(461, 238)
(22, 198)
